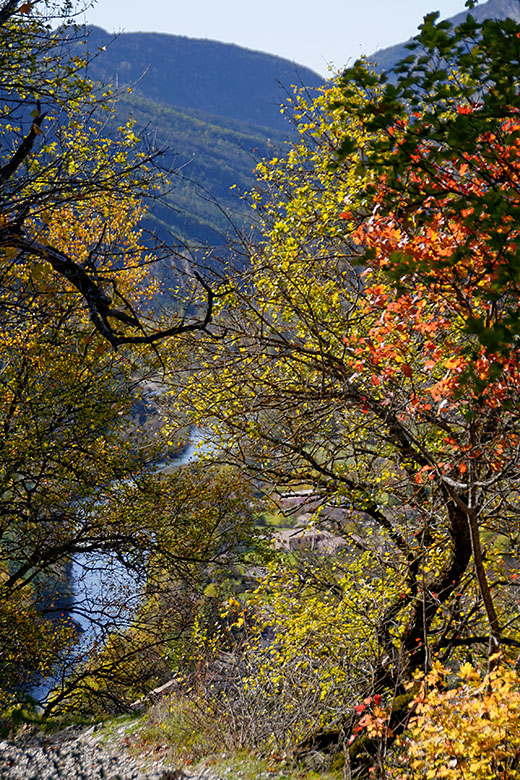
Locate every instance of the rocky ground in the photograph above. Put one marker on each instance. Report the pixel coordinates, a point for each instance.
(84, 754)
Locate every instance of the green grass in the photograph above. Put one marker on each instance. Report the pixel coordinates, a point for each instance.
(242, 765)
(178, 725)
(279, 519)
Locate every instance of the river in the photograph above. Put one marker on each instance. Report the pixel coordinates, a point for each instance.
(102, 593)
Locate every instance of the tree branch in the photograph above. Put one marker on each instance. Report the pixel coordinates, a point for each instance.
(24, 149)
(97, 300)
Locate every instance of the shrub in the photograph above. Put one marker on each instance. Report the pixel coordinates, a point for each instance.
(467, 732)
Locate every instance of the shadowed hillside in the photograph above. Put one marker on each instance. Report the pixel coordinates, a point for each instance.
(216, 106)
(201, 75)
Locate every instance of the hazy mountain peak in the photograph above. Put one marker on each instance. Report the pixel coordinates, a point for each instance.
(493, 9)
(385, 59)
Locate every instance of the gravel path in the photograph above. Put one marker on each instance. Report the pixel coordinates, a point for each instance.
(83, 754)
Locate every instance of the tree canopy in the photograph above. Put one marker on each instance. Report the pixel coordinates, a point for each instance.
(80, 486)
(368, 357)
(58, 158)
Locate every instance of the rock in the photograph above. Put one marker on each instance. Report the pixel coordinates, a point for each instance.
(79, 754)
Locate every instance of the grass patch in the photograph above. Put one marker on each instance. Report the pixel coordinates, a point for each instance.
(25, 716)
(279, 519)
(243, 765)
(183, 728)
(119, 725)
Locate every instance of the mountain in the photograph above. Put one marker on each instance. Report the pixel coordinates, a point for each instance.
(386, 59)
(200, 75)
(213, 159)
(216, 106)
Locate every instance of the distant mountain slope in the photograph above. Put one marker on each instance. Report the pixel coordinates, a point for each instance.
(386, 59)
(202, 75)
(216, 106)
(214, 159)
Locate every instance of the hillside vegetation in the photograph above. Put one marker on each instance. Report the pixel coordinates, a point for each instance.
(212, 161)
(200, 75)
(215, 106)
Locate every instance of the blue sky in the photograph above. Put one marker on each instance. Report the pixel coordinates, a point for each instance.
(310, 32)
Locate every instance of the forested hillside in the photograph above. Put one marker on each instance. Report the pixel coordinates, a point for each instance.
(212, 163)
(200, 75)
(215, 106)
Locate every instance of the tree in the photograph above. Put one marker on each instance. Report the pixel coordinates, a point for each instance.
(352, 361)
(56, 155)
(90, 529)
(448, 122)
(183, 531)
(468, 731)
(79, 488)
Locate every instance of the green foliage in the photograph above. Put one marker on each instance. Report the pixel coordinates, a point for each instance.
(322, 616)
(452, 108)
(184, 530)
(344, 359)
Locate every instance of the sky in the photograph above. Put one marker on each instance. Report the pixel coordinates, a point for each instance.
(315, 33)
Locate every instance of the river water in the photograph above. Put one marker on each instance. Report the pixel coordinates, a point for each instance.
(102, 592)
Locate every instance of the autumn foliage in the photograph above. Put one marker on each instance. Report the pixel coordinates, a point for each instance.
(367, 357)
(467, 730)
(362, 364)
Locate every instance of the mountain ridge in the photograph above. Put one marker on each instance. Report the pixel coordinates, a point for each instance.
(218, 105)
(190, 73)
(385, 59)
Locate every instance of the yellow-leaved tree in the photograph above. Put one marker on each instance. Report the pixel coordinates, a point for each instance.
(362, 362)
(92, 541)
(470, 729)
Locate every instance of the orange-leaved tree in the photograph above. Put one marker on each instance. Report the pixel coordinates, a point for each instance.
(368, 362)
